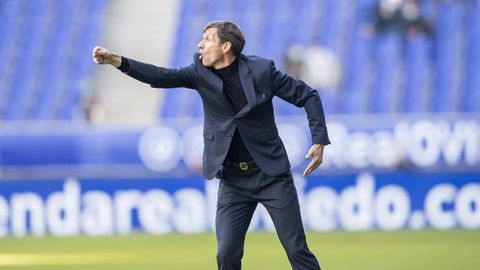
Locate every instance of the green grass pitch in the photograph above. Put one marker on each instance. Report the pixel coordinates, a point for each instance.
(335, 250)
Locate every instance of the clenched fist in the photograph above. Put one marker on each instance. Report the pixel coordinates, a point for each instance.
(103, 56)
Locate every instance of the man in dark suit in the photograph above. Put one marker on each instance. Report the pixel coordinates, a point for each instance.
(242, 146)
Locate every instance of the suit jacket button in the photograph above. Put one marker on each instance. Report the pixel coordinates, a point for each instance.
(229, 136)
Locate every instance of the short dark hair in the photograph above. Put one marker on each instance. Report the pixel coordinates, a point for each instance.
(229, 31)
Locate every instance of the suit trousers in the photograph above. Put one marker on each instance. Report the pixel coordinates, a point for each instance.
(238, 195)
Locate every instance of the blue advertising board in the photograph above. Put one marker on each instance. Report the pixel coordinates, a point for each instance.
(391, 201)
(381, 172)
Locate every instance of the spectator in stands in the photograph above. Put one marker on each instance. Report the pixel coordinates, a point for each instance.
(413, 21)
(294, 60)
(242, 146)
(92, 111)
(316, 65)
(387, 16)
(401, 16)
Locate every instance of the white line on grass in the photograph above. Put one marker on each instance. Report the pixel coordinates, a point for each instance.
(65, 258)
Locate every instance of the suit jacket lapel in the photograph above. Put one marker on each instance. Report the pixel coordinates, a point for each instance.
(217, 84)
(248, 87)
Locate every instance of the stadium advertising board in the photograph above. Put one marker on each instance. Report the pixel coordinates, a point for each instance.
(373, 143)
(348, 202)
(381, 172)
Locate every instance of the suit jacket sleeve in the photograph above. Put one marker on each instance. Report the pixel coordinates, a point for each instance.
(300, 94)
(160, 77)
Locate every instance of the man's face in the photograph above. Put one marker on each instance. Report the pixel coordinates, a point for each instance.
(211, 48)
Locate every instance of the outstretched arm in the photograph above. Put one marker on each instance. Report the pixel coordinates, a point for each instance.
(157, 77)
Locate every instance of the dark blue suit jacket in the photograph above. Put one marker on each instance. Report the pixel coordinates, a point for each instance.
(261, 81)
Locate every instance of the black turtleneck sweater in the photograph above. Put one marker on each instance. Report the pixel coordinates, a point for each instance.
(233, 89)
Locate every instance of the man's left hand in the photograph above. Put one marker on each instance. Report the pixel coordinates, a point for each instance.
(316, 154)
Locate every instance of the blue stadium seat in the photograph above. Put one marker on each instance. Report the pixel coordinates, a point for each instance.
(184, 48)
(384, 74)
(385, 89)
(47, 46)
(256, 38)
(275, 40)
(416, 90)
(353, 97)
(448, 57)
(300, 31)
(471, 97)
(330, 29)
(69, 104)
(330, 36)
(28, 60)
(55, 76)
(10, 18)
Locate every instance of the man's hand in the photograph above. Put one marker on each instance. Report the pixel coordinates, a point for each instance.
(316, 153)
(103, 56)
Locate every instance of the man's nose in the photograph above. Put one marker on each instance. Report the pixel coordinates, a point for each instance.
(200, 45)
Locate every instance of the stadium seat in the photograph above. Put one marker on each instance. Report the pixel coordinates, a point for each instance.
(357, 74)
(51, 57)
(381, 74)
(448, 57)
(386, 83)
(415, 96)
(29, 58)
(69, 104)
(11, 20)
(471, 97)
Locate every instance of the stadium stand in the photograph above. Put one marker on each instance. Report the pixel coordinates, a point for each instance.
(43, 75)
(387, 72)
(382, 72)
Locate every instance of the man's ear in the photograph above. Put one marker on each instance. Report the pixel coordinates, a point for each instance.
(226, 46)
